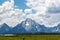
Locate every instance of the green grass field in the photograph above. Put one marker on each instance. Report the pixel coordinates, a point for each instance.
(31, 37)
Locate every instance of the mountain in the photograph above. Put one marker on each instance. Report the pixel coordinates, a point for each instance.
(18, 29)
(55, 29)
(32, 27)
(28, 26)
(4, 28)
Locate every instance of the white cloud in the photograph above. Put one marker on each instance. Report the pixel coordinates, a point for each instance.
(28, 11)
(42, 16)
(10, 15)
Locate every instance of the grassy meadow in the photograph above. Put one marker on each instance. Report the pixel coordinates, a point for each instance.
(31, 37)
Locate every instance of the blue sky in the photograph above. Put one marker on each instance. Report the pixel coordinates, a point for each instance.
(1, 1)
(19, 3)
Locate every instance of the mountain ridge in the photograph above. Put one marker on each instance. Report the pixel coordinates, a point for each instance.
(28, 26)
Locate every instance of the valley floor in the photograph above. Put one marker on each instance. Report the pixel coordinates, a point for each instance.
(31, 37)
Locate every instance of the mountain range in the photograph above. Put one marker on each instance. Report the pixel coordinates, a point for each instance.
(28, 26)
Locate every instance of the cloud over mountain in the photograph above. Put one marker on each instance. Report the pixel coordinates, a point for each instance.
(46, 12)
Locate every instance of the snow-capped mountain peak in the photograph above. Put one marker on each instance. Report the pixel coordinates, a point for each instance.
(29, 25)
